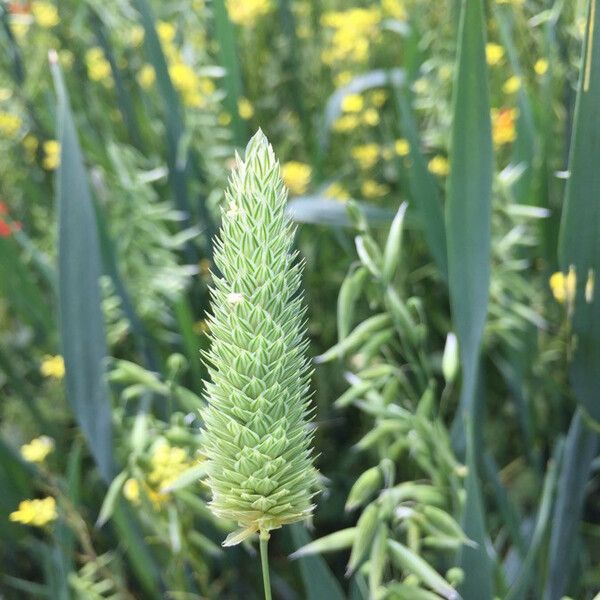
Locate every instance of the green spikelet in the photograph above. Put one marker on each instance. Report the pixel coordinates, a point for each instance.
(257, 438)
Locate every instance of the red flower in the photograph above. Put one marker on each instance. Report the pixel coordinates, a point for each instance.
(5, 229)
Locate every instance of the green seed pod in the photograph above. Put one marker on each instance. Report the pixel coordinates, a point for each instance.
(364, 487)
(256, 431)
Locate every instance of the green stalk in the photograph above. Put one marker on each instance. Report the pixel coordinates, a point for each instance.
(264, 561)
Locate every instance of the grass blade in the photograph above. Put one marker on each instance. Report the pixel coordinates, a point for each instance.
(468, 216)
(81, 320)
(319, 581)
(468, 210)
(521, 586)
(580, 449)
(225, 33)
(580, 227)
(424, 189)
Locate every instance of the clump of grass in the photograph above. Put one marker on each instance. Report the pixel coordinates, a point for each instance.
(257, 437)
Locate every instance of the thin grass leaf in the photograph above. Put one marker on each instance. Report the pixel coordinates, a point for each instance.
(225, 33)
(579, 245)
(468, 209)
(81, 319)
(468, 225)
(520, 588)
(424, 190)
(319, 582)
(581, 447)
(178, 164)
(318, 210)
(143, 563)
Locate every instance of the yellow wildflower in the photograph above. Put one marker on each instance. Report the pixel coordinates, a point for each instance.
(53, 366)
(38, 449)
(564, 287)
(168, 463)
(30, 143)
(346, 123)
(343, 78)
(245, 108)
(136, 35)
(19, 29)
(365, 155)
(296, 176)
(541, 66)
(98, 67)
(45, 14)
(131, 491)
(353, 32)
(371, 189)
(439, 165)
(379, 97)
(187, 83)
(337, 191)
(9, 124)
(146, 76)
(494, 53)
(166, 31)
(512, 85)
(352, 103)
(35, 512)
(395, 9)
(504, 130)
(247, 12)
(224, 119)
(370, 117)
(402, 147)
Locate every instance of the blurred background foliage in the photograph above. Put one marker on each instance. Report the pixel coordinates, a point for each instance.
(444, 472)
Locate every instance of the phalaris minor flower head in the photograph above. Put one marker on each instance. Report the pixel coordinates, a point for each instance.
(256, 424)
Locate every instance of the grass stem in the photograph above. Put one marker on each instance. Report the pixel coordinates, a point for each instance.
(264, 560)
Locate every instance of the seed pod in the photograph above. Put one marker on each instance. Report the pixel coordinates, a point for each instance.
(369, 253)
(410, 562)
(393, 245)
(359, 335)
(378, 559)
(450, 358)
(364, 487)
(365, 531)
(338, 540)
(350, 291)
(256, 434)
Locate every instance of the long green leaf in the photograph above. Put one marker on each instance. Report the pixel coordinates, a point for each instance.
(579, 245)
(424, 190)
(225, 33)
(81, 320)
(468, 209)
(468, 216)
(521, 586)
(580, 449)
(319, 581)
